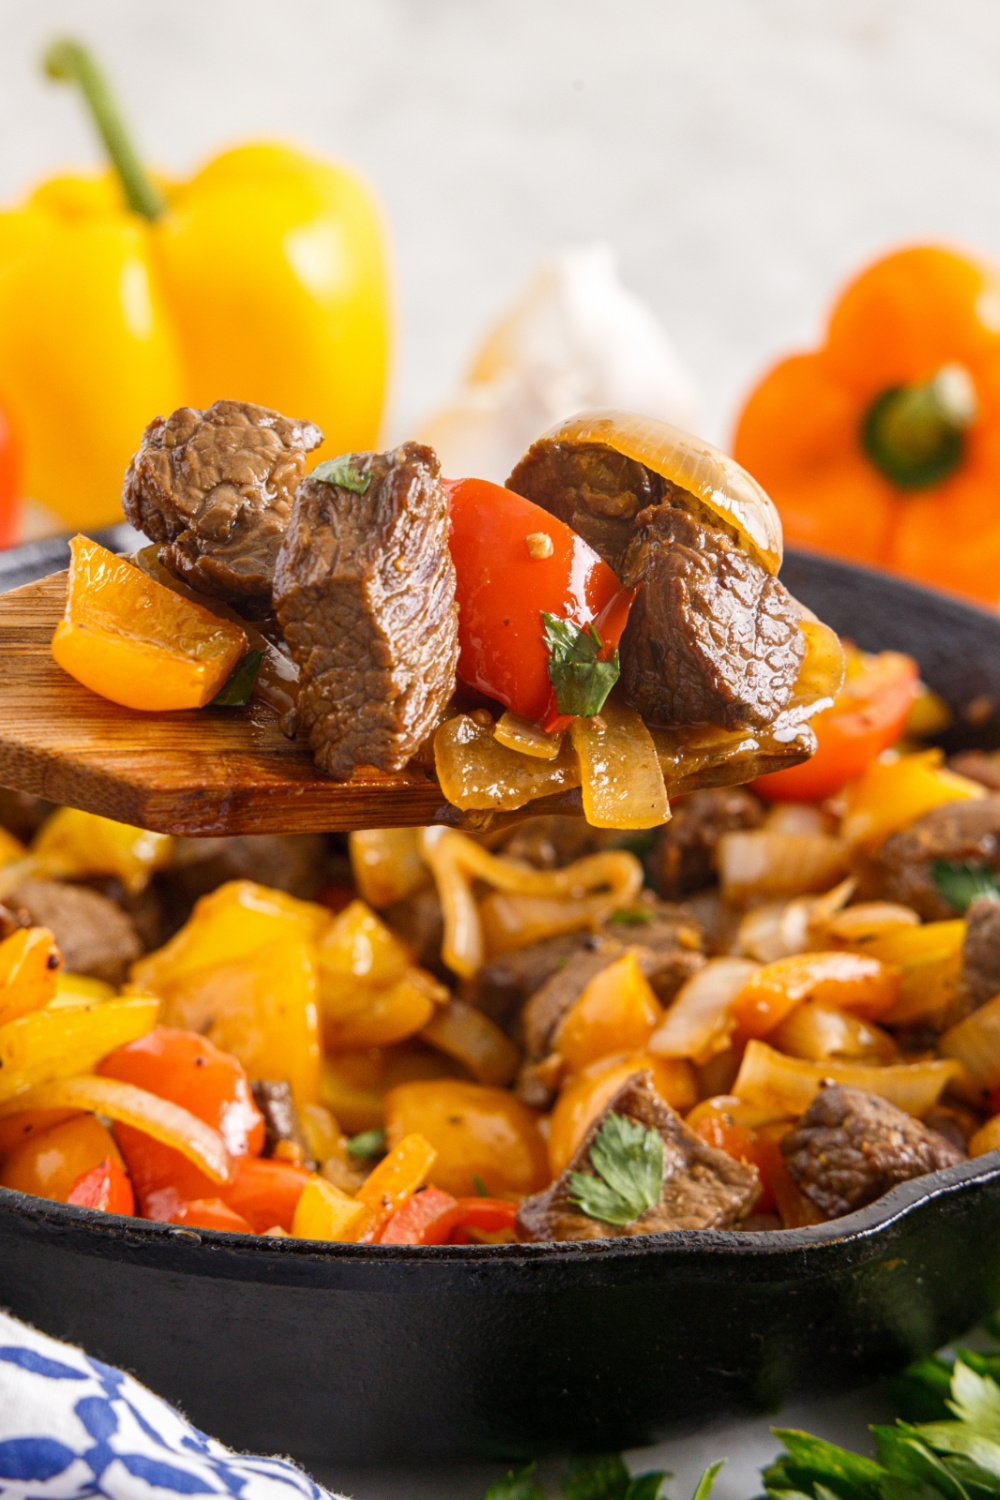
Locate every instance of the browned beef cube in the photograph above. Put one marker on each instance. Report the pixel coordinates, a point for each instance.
(216, 488)
(683, 858)
(702, 1188)
(851, 1147)
(94, 936)
(958, 832)
(365, 596)
(980, 955)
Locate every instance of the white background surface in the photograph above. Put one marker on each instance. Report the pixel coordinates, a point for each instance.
(743, 156)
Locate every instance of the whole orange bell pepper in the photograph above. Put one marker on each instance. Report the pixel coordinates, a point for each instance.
(262, 278)
(883, 445)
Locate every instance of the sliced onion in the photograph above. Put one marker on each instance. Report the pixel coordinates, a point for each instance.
(856, 926)
(797, 817)
(387, 863)
(527, 737)
(477, 773)
(722, 493)
(777, 929)
(975, 1043)
(817, 1031)
(698, 1023)
(464, 1033)
(456, 861)
(789, 1084)
(166, 1122)
(620, 774)
(756, 865)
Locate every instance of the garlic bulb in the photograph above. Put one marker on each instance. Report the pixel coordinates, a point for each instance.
(576, 338)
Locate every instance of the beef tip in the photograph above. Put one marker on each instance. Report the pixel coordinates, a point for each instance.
(94, 936)
(595, 490)
(851, 1147)
(712, 637)
(978, 765)
(500, 988)
(282, 1128)
(702, 1188)
(215, 488)
(22, 814)
(296, 863)
(959, 832)
(667, 948)
(550, 842)
(418, 920)
(365, 596)
(683, 858)
(980, 955)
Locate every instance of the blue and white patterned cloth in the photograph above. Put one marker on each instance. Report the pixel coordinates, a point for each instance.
(72, 1427)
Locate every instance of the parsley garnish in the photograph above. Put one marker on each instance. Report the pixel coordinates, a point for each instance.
(482, 1191)
(960, 884)
(602, 1478)
(237, 692)
(519, 1484)
(631, 916)
(342, 473)
(580, 679)
(367, 1146)
(627, 1159)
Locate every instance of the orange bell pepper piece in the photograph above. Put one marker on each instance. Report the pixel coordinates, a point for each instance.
(477, 1132)
(106, 1187)
(208, 1213)
(49, 1163)
(884, 444)
(425, 1219)
(616, 1012)
(29, 972)
(851, 981)
(324, 1212)
(397, 1176)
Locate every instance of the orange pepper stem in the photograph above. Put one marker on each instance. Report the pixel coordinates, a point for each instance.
(69, 62)
(915, 434)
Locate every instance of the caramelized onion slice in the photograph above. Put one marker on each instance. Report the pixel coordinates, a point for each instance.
(477, 772)
(789, 1084)
(699, 1024)
(519, 733)
(456, 862)
(387, 864)
(723, 493)
(166, 1122)
(620, 773)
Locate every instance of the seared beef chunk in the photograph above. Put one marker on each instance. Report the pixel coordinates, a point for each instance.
(418, 920)
(502, 986)
(216, 488)
(979, 766)
(668, 951)
(712, 638)
(281, 1121)
(702, 1188)
(296, 863)
(22, 814)
(593, 489)
(958, 832)
(851, 1147)
(94, 936)
(980, 955)
(683, 857)
(365, 595)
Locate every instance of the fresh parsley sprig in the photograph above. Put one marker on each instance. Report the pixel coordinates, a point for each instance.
(580, 678)
(627, 1158)
(237, 691)
(604, 1477)
(342, 473)
(960, 883)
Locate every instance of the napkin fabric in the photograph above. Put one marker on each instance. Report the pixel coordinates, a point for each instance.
(72, 1427)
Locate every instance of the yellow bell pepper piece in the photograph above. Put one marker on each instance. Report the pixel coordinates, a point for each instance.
(264, 278)
(929, 961)
(355, 1084)
(136, 642)
(262, 1008)
(396, 1178)
(893, 792)
(72, 844)
(29, 972)
(371, 993)
(477, 1132)
(81, 989)
(60, 1041)
(616, 1012)
(230, 923)
(323, 1212)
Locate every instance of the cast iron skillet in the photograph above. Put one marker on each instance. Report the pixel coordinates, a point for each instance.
(375, 1354)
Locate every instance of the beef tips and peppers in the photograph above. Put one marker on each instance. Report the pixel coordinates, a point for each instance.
(757, 1009)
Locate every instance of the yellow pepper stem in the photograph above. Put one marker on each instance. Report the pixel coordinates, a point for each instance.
(915, 434)
(69, 62)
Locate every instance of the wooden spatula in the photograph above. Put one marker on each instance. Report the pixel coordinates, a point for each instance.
(220, 771)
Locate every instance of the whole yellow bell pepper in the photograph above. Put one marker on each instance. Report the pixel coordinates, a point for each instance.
(264, 278)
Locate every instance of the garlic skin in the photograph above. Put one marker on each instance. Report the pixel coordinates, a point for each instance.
(575, 338)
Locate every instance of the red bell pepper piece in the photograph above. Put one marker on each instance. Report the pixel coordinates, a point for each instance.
(427, 1218)
(106, 1187)
(209, 1213)
(264, 1192)
(514, 562)
(488, 1216)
